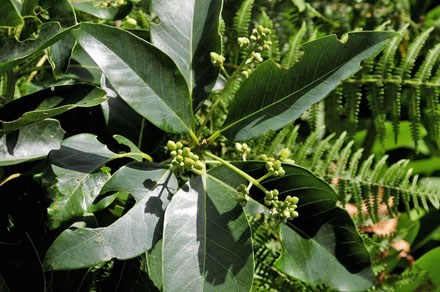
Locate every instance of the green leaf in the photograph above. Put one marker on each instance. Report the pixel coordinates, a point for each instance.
(9, 15)
(430, 281)
(59, 53)
(73, 177)
(141, 74)
(120, 118)
(28, 7)
(134, 233)
(83, 68)
(188, 32)
(48, 103)
(154, 263)
(13, 52)
(113, 13)
(31, 142)
(313, 261)
(316, 208)
(272, 96)
(131, 145)
(207, 240)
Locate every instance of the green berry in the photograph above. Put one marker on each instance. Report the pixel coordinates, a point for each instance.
(131, 21)
(179, 145)
(294, 200)
(173, 153)
(171, 145)
(189, 163)
(186, 151)
(199, 165)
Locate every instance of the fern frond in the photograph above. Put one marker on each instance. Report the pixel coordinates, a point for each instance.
(370, 184)
(353, 97)
(242, 18)
(408, 61)
(300, 155)
(291, 138)
(292, 53)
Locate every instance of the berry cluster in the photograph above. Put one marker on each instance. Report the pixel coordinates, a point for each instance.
(243, 149)
(281, 210)
(217, 59)
(109, 3)
(242, 195)
(260, 35)
(274, 167)
(183, 157)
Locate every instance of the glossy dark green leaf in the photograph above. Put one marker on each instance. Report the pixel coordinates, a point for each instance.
(13, 52)
(32, 142)
(48, 103)
(9, 14)
(135, 232)
(113, 13)
(120, 118)
(272, 96)
(207, 240)
(313, 261)
(28, 7)
(83, 67)
(74, 177)
(188, 31)
(316, 208)
(59, 53)
(141, 74)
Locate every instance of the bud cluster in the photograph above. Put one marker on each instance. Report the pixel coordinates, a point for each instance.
(243, 149)
(275, 167)
(242, 195)
(183, 157)
(281, 210)
(217, 59)
(109, 3)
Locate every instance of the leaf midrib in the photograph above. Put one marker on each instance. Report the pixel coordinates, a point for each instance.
(287, 96)
(142, 80)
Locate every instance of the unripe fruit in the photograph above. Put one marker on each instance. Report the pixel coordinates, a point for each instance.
(131, 21)
(186, 151)
(189, 163)
(199, 165)
(171, 145)
(294, 200)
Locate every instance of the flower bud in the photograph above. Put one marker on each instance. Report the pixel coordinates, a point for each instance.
(199, 165)
(243, 42)
(131, 21)
(171, 145)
